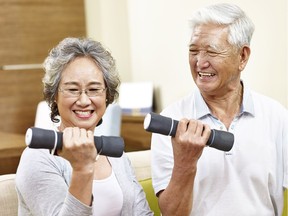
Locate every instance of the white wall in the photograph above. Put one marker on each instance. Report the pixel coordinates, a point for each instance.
(149, 40)
(107, 22)
(286, 52)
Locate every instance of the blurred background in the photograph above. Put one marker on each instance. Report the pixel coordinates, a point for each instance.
(150, 39)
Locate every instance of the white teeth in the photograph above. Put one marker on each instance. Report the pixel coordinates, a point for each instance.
(206, 74)
(83, 112)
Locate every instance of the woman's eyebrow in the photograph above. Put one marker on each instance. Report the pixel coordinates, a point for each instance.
(77, 83)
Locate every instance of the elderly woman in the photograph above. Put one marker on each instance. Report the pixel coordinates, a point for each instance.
(80, 82)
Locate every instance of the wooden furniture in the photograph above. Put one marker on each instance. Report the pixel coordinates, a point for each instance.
(133, 133)
(29, 29)
(20, 92)
(11, 148)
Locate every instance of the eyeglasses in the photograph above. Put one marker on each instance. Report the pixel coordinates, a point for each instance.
(74, 92)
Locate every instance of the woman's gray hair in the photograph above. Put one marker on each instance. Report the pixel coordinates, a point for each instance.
(240, 27)
(65, 52)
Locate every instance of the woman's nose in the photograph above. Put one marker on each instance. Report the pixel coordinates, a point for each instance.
(84, 99)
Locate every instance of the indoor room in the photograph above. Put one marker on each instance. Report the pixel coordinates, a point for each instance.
(150, 43)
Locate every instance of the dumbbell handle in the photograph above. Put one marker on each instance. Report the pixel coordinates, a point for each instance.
(156, 123)
(112, 146)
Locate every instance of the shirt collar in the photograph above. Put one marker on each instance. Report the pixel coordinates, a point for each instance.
(202, 109)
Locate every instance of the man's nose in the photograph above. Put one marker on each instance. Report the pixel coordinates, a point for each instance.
(202, 60)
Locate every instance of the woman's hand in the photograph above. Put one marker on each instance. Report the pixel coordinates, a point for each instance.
(79, 148)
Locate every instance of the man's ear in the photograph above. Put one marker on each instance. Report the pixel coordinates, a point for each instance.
(244, 55)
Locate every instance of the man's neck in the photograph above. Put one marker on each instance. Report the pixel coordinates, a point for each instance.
(226, 107)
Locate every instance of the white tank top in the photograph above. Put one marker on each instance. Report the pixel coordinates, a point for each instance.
(107, 197)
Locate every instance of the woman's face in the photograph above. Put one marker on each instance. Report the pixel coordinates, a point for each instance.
(82, 74)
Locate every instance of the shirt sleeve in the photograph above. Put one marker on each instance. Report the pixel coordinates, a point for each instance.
(42, 186)
(162, 161)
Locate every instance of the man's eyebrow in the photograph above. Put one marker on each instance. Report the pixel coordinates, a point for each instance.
(214, 47)
(210, 46)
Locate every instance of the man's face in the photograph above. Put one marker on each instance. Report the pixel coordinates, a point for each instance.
(215, 64)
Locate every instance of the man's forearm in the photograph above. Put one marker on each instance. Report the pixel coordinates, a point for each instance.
(177, 198)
